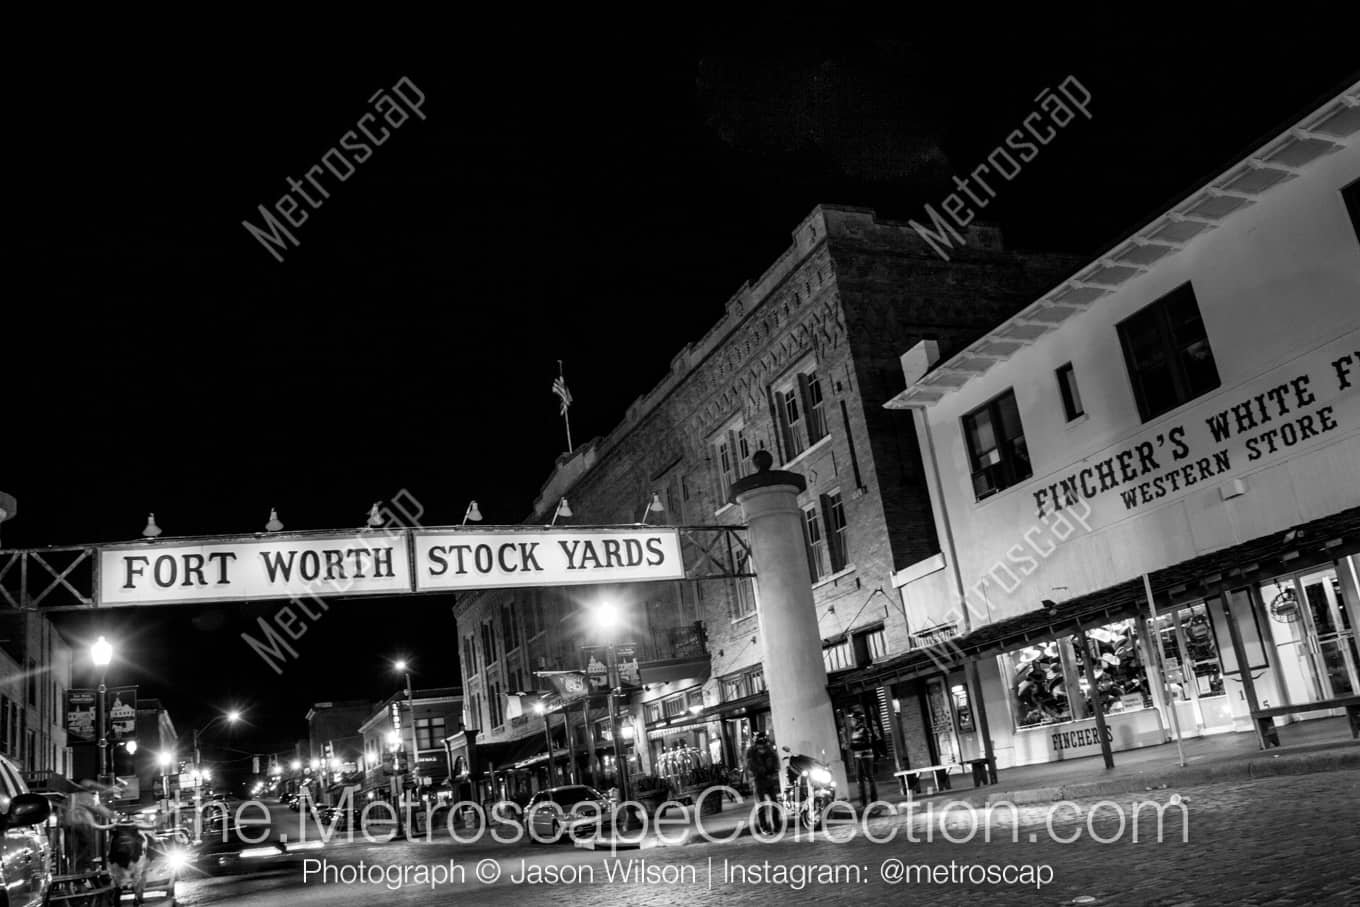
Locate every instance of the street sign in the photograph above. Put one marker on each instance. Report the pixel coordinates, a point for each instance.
(122, 713)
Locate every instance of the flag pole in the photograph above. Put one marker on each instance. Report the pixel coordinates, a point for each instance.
(566, 416)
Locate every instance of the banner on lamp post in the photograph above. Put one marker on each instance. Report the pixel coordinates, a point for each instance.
(81, 716)
(122, 713)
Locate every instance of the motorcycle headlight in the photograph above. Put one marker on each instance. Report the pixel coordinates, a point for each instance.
(820, 776)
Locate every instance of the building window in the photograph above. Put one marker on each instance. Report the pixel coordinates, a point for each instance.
(739, 686)
(837, 546)
(838, 656)
(1352, 196)
(1168, 354)
(819, 565)
(871, 645)
(32, 682)
(731, 454)
(495, 703)
(695, 698)
(509, 631)
(800, 411)
(488, 643)
(4, 724)
(996, 446)
(653, 712)
(1071, 397)
(429, 732)
(743, 591)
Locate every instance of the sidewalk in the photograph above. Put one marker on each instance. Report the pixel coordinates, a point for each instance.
(1321, 745)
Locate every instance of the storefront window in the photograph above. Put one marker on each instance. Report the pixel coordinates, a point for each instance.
(1039, 686)
(1120, 681)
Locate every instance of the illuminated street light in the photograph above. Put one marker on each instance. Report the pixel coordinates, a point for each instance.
(315, 764)
(131, 747)
(101, 653)
(607, 615)
(165, 759)
(296, 765)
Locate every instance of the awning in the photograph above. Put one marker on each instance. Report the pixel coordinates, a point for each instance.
(1307, 545)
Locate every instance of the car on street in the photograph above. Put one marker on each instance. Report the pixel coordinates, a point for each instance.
(25, 855)
(569, 812)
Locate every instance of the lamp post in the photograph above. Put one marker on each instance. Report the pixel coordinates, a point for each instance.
(608, 618)
(402, 666)
(200, 775)
(541, 709)
(101, 653)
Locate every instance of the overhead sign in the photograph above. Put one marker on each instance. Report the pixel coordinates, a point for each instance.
(453, 560)
(272, 567)
(80, 716)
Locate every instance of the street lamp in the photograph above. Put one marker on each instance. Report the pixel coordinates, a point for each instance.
(101, 653)
(608, 618)
(404, 668)
(202, 774)
(541, 709)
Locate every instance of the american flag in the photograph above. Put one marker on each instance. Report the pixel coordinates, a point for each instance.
(559, 388)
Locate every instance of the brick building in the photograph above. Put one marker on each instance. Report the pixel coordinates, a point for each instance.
(35, 673)
(434, 715)
(800, 364)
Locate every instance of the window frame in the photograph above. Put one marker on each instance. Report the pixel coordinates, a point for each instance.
(819, 562)
(837, 530)
(802, 387)
(1070, 392)
(1171, 348)
(1010, 473)
(1350, 197)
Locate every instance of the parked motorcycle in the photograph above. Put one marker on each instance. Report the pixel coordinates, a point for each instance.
(808, 789)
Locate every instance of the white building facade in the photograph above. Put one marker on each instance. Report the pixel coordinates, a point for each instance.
(1180, 418)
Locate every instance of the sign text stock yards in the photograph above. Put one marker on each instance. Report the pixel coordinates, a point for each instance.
(1307, 402)
(378, 562)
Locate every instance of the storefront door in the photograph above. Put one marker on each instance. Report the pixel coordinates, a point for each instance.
(1333, 636)
(942, 722)
(1312, 624)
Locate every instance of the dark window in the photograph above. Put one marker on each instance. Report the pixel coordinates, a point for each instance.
(1352, 196)
(1071, 397)
(429, 732)
(1168, 354)
(509, 630)
(818, 562)
(837, 547)
(801, 412)
(996, 446)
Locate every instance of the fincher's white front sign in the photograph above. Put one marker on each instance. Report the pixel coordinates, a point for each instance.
(450, 559)
(357, 563)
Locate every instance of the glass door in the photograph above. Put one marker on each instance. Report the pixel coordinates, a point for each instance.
(1333, 635)
(1290, 629)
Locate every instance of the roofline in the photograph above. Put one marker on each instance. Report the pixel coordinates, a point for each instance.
(1275, 161)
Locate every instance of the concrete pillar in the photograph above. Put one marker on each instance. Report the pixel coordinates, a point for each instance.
(795, 675)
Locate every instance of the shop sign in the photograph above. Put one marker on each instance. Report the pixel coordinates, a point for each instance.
(1131, 701)
(317, 565)
(1311, 401)
(454, 559)
(1082, 741)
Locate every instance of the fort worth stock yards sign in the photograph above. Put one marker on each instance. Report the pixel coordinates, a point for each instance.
(380, 562)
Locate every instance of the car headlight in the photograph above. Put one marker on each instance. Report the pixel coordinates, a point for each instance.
(820, 776)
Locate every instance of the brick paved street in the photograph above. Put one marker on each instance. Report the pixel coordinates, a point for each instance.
(1274, 841)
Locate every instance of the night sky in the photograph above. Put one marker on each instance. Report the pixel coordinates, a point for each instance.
(571, 194)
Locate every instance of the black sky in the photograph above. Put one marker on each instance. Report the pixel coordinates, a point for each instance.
(573, 194)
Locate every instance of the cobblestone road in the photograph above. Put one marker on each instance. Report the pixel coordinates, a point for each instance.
(1293, 840)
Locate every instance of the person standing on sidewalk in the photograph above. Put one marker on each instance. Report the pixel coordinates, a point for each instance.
(762, 765)
(864, 748)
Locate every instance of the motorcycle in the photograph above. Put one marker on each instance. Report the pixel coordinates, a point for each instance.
(808, 789)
